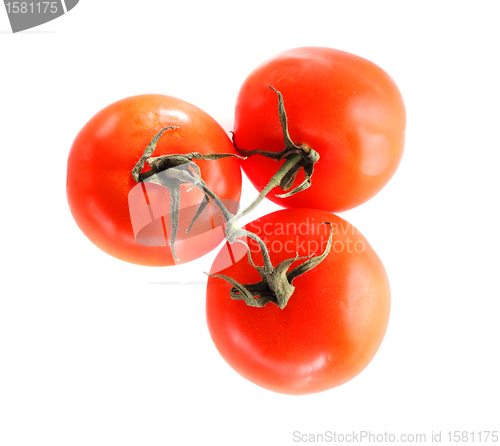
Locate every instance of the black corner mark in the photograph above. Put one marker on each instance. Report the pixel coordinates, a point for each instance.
(30, 13)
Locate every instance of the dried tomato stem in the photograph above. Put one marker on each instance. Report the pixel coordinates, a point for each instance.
(173, 170)
(276, 285)
(233, 231)
(263, 248)
(228, 216)
(274, 182)
(309, 157)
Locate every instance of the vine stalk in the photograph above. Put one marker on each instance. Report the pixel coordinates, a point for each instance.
(172, 171)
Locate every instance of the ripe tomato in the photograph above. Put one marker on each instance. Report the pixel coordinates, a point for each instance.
(333, 323)
(344, 107)
(106, 201)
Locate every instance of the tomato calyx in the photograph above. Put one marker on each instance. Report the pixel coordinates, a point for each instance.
(172, 171)
(276, 284)
(308, 156)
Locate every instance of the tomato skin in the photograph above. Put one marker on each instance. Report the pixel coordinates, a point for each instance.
(343, 106)
(106, 150)
(332, 325)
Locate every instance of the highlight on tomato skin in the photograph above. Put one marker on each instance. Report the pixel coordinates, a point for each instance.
(343, 106)
(333, 324)
(130, 220)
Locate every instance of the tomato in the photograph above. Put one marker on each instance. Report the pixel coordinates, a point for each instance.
(130, 221)
(334, 322)
(344, 107)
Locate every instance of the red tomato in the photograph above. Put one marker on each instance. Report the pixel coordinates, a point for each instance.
(106, 201)
(333, 323)
(344, 107)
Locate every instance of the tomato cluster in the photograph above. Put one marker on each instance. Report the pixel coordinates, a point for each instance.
(300, 306)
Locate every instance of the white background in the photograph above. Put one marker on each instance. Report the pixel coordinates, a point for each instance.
(94, 351)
